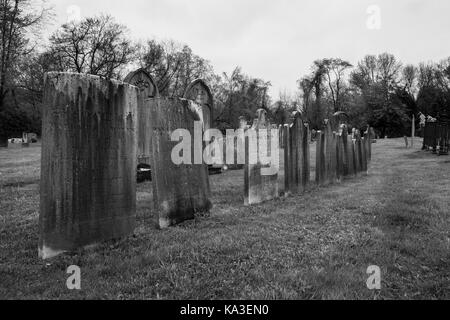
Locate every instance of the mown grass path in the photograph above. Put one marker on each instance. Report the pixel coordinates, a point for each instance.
(312, 246)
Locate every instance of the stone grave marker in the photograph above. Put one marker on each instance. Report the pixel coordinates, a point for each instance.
(88, 170)
(261, 179)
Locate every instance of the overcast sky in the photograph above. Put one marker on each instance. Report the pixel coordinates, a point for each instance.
(278, 40)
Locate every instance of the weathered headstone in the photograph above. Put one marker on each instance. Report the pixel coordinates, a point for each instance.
(289, 166)
(180, 190)
(364, 161)
(306, 172)
(352, 159)
(296, 158)
(358, 153)
(147, 90)
(340, 154)
(261, 179)
(321, 159)
(88, 170)
(199, 92)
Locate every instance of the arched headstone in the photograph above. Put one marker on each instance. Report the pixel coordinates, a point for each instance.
(147, 90)
(144, 81)
(199, 92)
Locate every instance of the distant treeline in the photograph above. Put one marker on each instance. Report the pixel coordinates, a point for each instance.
(379, 90)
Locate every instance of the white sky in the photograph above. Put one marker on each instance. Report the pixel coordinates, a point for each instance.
(278, 40)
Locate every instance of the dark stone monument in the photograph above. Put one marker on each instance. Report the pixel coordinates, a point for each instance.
(88, 170)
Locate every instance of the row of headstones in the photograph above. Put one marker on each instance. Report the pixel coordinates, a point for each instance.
(94, 133)
(437, 135)
(338, 155)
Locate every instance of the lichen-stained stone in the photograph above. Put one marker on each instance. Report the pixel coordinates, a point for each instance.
(179, 190)
(88, 170)
(147, 90)
(261, 179)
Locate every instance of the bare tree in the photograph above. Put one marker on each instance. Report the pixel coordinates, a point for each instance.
(19, 21)
(173, 65)
(98, 46)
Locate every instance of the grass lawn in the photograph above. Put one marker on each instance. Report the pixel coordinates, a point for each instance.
(312, 246)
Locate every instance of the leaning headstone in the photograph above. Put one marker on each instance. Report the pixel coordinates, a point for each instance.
(180, 188)
(261, 179)
(88, 170)
(147, 90)
(345, 151)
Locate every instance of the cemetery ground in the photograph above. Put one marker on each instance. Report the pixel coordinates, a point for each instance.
(312, 246)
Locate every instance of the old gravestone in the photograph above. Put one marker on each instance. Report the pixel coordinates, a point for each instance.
(199, 92)
(296, 155)
(320, 158)
(358, 152)
(340, 155)
(182, 189)
(88, 170)
(330, 153)
(364, 155)
(351, 156)
(261, 179)
(147, 90)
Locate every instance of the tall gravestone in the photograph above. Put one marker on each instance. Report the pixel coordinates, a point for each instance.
(261, 179)
(358, 153)
(306, 139)
(364, 151)
(321, 158)
(289, 166)
(340, 155)
(180, 190)
(351, 151)
(88, 170)
(297, 156)
(147, 90)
